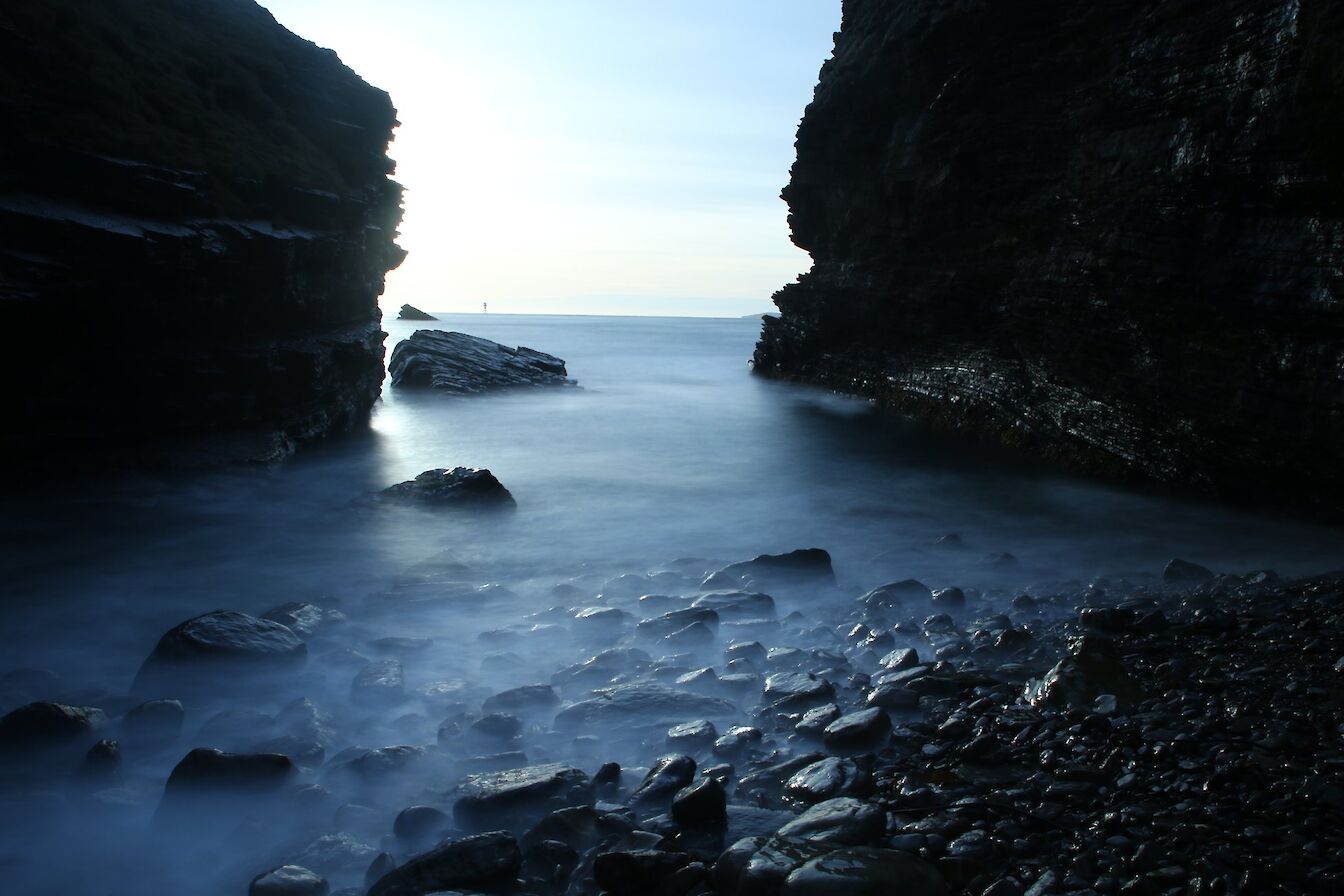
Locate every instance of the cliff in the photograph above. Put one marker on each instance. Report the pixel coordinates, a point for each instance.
(195, 221)
(1108, 233)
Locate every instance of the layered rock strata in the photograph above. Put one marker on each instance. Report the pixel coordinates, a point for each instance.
(1110, 234)
(195, 222)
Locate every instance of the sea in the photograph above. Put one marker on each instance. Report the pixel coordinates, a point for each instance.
(667, 453)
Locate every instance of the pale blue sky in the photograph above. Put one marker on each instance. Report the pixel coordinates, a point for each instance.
(587, 156)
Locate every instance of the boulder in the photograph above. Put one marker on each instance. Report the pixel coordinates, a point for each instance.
(484, 862)
(458, 487)
(637, 872)
(803, 566)
(858, 730)
(1183, 572)
(865, 871)
(640, 706)
(502, 799)
(41, 727)
(831, 777)
(458, 364)
(530, 698)
(703, 804)
(219, 650)
(669, 775)
(842, 821)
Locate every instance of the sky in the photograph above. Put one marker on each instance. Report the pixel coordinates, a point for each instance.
(587, 156)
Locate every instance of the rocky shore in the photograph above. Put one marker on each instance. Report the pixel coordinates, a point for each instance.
(743, 728)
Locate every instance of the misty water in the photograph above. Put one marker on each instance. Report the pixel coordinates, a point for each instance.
(670, 456)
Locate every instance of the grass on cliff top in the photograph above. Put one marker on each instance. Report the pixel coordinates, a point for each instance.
(211, 85)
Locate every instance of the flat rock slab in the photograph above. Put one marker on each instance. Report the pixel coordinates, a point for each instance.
(495, 799)
(458, 364)
(640, 706)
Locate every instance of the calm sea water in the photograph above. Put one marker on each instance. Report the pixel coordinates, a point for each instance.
(671, 448)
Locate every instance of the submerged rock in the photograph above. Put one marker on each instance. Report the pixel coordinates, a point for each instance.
(410, 312)
(211, 650)
(460, 486)
(459, 364)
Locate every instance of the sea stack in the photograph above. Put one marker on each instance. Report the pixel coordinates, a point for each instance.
(196, 217)
(1108, 234)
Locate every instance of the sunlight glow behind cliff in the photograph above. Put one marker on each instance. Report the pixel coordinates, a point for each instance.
(587, 156)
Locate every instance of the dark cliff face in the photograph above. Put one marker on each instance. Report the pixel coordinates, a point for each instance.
(195, 222)
(1109, 233)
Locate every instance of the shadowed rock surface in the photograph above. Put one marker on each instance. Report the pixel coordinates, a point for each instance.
(195, 207)
(459, 364)
(1108, 234)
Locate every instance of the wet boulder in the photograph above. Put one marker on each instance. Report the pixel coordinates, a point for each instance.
(458, 487)
(640, 706)
(487, 861)
(530, 698)
(797, 689)
(204, 770)
(703, 804)
(416, 824)
(1183, 572)
(1080, 678)
(458, 364)
(637, 872)
(895, 595)
(858, 730)
(506, 798)
(842, 821)
(830, 778)
(288, 880)
(49, 727)
(803, 566)
(814, 721)
(675, 620)
(766, 870)
(212, 790)
(669, 776)
(691, 736)
(737, 604)
(220, 650)
(865, 871)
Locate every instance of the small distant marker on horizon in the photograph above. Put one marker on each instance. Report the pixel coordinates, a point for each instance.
(485, 307)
